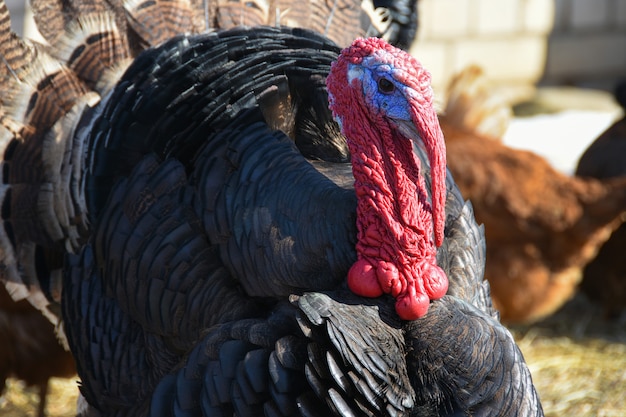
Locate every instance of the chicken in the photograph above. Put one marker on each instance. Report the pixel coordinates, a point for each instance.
(472, 105)
(542, 227)
(604, 278)
(30, 350)
(260, 223)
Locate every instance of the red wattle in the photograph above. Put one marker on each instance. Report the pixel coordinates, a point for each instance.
(362, 279)
(388, 278)
(435, 282)
(412, 305)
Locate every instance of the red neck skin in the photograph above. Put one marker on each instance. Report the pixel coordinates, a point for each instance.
(395, 251)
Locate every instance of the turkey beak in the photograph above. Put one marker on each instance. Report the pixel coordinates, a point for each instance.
(426, 127)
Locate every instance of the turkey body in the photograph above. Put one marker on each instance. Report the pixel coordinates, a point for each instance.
(213, 217)
(179, 305)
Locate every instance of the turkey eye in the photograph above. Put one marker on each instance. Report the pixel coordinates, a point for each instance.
(385, 86)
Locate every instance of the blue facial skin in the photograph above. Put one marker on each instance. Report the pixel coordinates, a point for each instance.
(382, 91)
(386, 95)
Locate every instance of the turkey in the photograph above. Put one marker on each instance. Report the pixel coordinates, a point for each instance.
(604, 278)
(235, 254)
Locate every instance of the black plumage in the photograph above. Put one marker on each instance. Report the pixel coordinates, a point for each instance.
(262, 341)
(220, 218)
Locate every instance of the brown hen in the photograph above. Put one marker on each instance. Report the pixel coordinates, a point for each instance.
(542, 227)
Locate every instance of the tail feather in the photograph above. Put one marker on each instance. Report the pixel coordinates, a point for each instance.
(42, 217)
(89, 38)
(202, 11)
(92, 46)
(44, 92)
(14, 54)
(50, 18)
(379, 17)
(43, 210)
(227, 14)
(331, 18)
(37, 89)
(53, 16)
(157, 21)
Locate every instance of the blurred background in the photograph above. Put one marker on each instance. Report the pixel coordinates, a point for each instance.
(525, 42)
(573, 50)
(556, 64)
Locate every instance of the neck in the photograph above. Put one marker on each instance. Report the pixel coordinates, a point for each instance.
(395, 248)
(393, 214)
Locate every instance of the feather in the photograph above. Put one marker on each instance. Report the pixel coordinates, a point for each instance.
(206, 219)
